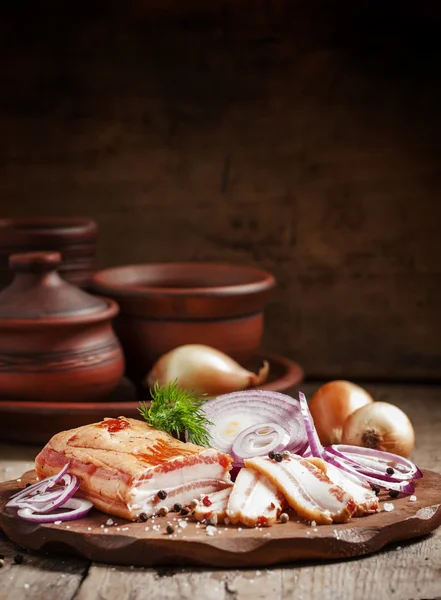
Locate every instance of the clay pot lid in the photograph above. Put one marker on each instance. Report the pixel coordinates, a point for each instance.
(38, 291)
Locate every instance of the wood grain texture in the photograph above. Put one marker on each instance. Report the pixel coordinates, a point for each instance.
(38, 577)
(299, 137)
(409, 571)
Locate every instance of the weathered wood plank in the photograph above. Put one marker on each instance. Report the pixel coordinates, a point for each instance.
(38, 577)
(408, 572)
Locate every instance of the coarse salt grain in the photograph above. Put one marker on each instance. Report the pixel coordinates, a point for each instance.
(412, 498)
(57, 522)
(26, 586)
(146, 528)
(67, 526)
(211, 530)
(105, 530)
(125, 529)
(89, 529)
(239, 529)
(182, 523)
(109, 522)
(388, 506)
(313, 523)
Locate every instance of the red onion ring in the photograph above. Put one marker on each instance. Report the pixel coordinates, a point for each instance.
(377, 462)
(79, 508)
(406, 487)
(44, 503)
(40, 487)
(315, 445)
(258, 440)
(230, 414)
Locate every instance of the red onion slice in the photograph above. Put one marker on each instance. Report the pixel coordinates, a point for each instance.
(72, 485)
(377, 461)
(406, 487)
(315, 445)
(45, 502)
(39, 487)
(230, 414)
(79, 508)
(258, 440)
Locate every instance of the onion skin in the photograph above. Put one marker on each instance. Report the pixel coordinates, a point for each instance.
(204, 370)
(382, 426)
(330, 406)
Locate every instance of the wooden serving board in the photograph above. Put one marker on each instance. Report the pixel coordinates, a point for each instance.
(148, 544)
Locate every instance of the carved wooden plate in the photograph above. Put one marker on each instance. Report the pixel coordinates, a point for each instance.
(36, 422)
(147, 544)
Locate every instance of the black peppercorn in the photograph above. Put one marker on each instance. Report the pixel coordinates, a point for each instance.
(18, 559)
(184, 511)
(375, 489)
(162, 494)
(271, 454)
(390, 471)
(28, 485)
(170, 529)
(394, 493)
(143, 517)
(278, 457)
(177, 507)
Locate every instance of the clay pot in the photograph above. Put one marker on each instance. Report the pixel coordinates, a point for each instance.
(163, 306)
(56, 341)
(74, 238)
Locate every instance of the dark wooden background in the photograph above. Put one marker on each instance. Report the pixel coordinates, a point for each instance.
(297, 136)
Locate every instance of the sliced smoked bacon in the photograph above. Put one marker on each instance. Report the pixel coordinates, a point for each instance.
(254, 500)
(306, 488)
(123, 464)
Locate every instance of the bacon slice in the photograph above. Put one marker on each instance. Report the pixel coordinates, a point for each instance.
(213, 505)
(123, 464)
(365, 499)
(306, 488)
(254, 500)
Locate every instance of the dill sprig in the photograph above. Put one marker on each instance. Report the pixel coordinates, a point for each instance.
(178, 412)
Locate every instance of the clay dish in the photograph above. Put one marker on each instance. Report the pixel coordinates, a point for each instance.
(75, 238)
(56, 341)
(166, 305)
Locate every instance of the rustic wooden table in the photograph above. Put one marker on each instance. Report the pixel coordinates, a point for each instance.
(407, 571)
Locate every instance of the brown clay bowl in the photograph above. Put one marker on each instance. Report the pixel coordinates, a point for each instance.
(75, 238)
(166, 305)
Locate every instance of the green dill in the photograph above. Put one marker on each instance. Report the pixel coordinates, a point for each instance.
(178, 412)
